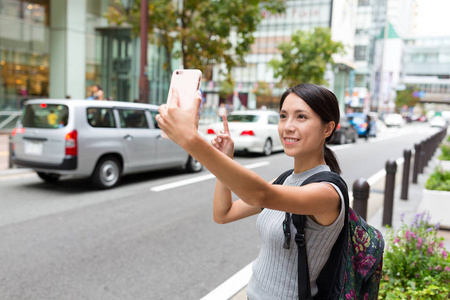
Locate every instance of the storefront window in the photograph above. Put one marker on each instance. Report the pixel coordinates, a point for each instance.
(24, 52)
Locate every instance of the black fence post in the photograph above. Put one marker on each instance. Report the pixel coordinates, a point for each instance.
(391, 169)
(405, 178)
(416, 163)
(10, 161)
(361, 191)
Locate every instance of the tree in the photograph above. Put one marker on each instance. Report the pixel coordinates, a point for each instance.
(201, 27)
(305, 57)
(406, 97)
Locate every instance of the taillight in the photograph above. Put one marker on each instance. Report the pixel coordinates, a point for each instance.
(247, 132)
(71, 143)
(210, 131)
(17, 130)
(338, 127)
(363, 125)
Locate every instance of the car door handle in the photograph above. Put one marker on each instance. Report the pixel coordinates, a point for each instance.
(128, 137)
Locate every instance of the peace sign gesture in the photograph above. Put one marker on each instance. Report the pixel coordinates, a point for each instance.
(223, 140)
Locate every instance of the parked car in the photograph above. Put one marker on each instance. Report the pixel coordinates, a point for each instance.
(103, 140)
(394, 120)
(345, 131)
(438, 121)
(359, 120)
(252, 131)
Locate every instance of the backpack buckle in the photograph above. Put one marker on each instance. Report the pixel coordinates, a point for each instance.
(287, 240)
(300, 239)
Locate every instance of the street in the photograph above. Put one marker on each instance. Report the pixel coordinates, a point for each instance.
(145, 239)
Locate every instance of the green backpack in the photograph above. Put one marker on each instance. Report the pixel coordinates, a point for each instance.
(353, 270)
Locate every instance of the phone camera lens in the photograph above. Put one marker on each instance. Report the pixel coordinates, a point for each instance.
(177, 72)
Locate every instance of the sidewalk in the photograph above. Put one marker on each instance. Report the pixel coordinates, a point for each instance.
(409, 207)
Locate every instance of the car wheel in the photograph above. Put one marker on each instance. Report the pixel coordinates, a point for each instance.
(193, 165)
(107, 173)
(48, 177)
(267, 150)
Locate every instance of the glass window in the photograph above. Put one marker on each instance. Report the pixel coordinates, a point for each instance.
(274, 119)
(100, 117)
(363, 2)
(45, 115)
(133, 118)
(243, 118)
(360, 53)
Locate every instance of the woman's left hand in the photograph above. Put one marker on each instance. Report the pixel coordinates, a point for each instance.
(180, 125)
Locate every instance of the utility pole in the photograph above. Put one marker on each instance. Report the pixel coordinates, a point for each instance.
(144, 87)
(382, 75)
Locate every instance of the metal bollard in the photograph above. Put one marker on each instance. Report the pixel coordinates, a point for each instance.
(422, 157)
(405, 179)
(10, 161)
(391, 169)
(361, 191)
(416, 163)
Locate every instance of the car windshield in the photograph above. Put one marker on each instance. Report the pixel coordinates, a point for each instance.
(44, 115)
(357, 119)
(243, 118)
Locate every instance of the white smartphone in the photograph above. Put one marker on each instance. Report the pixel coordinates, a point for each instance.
(187, 82)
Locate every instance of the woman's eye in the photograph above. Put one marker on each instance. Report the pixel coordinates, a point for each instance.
(282, 116)
(301, 117)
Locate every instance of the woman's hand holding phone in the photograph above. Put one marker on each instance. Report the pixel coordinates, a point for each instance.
(179, 124)
(187, 83)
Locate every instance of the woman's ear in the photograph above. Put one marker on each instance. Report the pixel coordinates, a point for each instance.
(329, 127)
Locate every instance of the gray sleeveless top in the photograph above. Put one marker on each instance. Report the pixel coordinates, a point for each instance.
(275, 270)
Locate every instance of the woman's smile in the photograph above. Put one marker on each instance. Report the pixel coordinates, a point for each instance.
(290, 141)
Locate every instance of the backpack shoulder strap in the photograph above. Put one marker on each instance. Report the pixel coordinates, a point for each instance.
(283, 176)
(299, 222)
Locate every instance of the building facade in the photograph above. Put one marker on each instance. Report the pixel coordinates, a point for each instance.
(338, 15)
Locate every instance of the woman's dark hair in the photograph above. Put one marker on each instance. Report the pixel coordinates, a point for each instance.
(325, 104)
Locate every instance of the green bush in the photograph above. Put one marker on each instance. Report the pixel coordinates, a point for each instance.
(445, 152)
(439, 180)
(416, 264)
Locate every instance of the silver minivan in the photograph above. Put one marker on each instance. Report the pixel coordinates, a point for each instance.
(102, 140)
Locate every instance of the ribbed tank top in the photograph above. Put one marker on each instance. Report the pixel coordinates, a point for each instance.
(275, 269)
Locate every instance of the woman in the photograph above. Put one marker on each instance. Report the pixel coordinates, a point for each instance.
(308, 117)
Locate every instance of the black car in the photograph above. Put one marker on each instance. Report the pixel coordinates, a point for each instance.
(345, 131)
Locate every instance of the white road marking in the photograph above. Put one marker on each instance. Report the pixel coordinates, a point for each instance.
(232, 286)
(176, 184)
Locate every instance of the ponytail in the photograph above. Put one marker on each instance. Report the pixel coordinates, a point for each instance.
(331, 160)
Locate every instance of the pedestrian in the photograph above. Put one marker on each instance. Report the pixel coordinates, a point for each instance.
(96, 93)
(368, 128)
(308, 118)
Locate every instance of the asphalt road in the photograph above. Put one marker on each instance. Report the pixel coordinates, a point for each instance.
(143, 239)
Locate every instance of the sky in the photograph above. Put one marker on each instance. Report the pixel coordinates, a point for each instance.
(433, 18)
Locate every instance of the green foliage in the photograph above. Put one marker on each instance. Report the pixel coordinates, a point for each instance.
(305, 57)
(439, 180)
(227, 87)
(416, 263)
(406, 97)
(199, 31)
(445, 151)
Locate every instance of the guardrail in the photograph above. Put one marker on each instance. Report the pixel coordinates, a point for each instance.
(8, 120)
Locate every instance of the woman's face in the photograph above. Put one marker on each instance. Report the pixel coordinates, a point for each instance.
(301, 130)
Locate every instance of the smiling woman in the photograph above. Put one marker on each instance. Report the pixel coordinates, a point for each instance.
(308, 118)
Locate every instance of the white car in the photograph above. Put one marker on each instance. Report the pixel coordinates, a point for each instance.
(438, 121)
(252, 131)
(394, 120)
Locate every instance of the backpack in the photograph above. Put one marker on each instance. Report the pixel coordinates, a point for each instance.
(353, 270)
